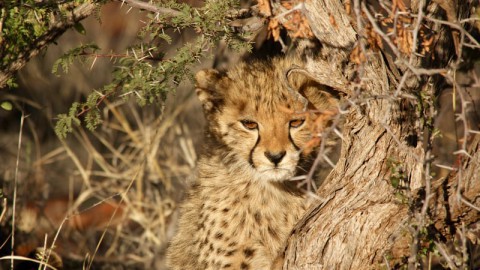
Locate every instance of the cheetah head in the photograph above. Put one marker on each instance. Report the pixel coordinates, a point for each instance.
(260, 124)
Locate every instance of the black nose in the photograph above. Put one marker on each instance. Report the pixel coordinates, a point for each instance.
(275, 158)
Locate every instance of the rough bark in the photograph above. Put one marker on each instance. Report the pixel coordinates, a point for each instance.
(451, 195)
(364, 220)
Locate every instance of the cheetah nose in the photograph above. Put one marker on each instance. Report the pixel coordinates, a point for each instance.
(275, 158)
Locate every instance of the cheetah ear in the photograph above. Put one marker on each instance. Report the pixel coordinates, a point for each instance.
(319, 96)
(208, 84)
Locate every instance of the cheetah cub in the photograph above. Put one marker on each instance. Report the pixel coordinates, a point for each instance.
(242, 207)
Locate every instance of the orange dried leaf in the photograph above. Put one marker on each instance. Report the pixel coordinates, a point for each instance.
(398, 4)
(379, 41)
(428, 42)
(264, 7)
(354, 56)
(288, 5)
(298, 26)
(274, 29)
(304, 30)
(388, 20)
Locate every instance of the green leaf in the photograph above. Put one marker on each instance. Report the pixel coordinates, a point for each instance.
(395, 182)
(66, 60)
(6, 106)
(79, 28)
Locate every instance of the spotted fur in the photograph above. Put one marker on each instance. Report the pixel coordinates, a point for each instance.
(242, 207)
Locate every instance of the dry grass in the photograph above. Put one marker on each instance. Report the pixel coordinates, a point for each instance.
(120, 189)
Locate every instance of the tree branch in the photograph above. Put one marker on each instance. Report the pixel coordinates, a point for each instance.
(54, 32)
(152, 8)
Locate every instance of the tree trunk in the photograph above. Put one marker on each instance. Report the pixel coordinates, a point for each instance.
(372, 202)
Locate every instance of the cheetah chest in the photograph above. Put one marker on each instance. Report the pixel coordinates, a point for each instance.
(245, 228)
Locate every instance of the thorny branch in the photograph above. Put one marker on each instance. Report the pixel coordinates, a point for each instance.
(86, 10)
(169, 13)
(51, 34)
(152, 8)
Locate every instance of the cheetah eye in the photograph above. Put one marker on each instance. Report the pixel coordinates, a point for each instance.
(296, 123)
(249, 124)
